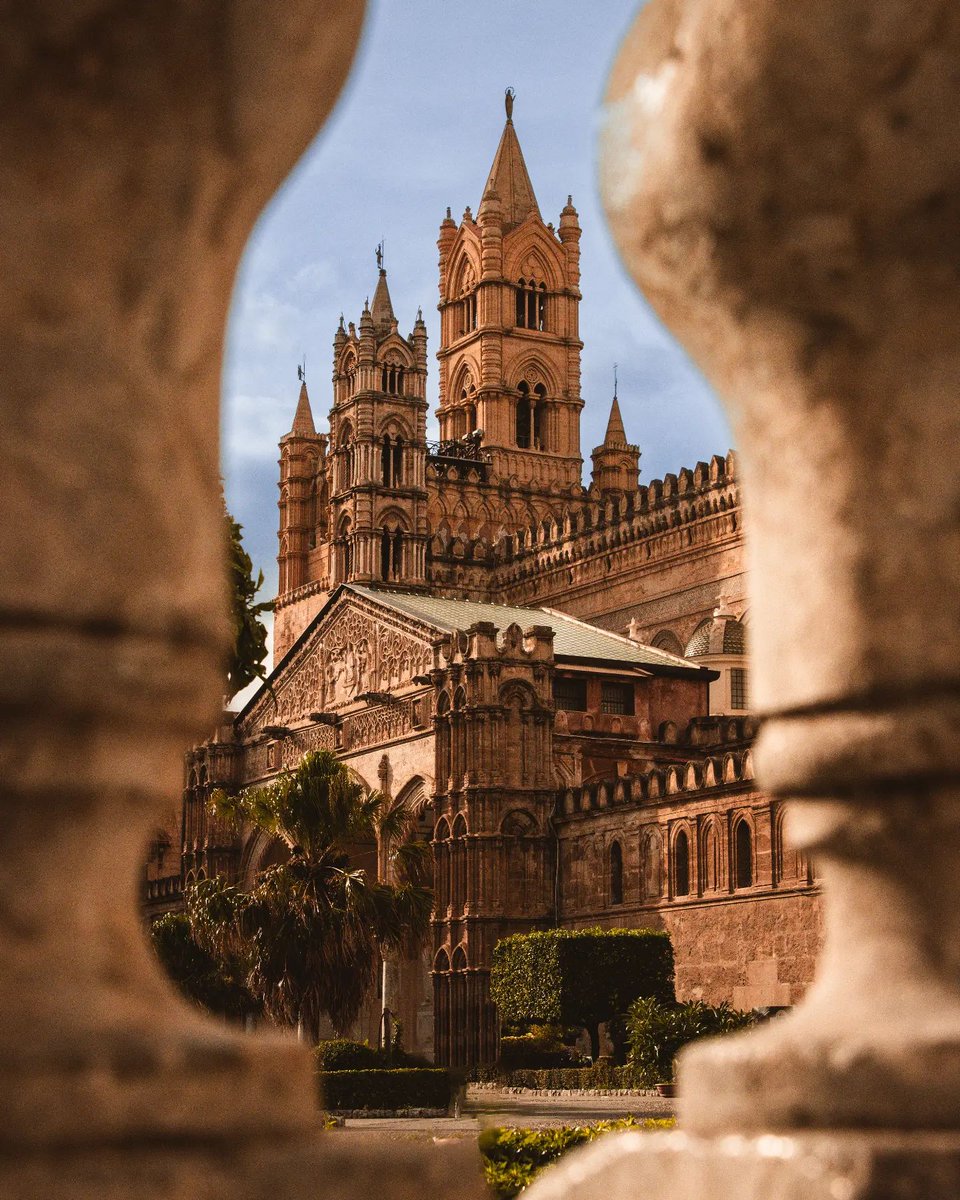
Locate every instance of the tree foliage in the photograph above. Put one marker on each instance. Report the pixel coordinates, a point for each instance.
(216, 985)
(249, 652)
(579, 977)
(312, 930)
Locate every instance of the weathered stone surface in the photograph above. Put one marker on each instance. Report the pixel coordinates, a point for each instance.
(342, 1164)
(784, 183)
(838, 1166)
(138, 146)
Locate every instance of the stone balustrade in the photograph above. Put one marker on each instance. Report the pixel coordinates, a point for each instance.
(784, 183)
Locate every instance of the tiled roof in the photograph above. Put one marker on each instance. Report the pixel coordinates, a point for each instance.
(573, 639)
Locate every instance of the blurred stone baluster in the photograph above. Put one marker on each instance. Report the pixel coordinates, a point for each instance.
(783, 182)
(139, 143)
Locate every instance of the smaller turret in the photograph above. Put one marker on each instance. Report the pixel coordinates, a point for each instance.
(616, 464)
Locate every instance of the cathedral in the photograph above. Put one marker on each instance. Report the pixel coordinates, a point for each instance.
(552, 675)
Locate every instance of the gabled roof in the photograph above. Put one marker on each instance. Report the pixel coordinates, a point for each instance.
(573, 639)
(509, 179)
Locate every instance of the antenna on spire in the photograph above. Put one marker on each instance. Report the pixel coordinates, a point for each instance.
(614, 381)
(380, 254)
(508, 98)
(302, 369)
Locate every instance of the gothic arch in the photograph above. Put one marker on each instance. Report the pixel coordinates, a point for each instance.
(464, 270)
(534, 369)
(441, 962)
(667, 640)
(710, 855)
(681, 848)
(459, 960)
(651, 862)
(744, 845)
(519, 823)
(441, 831)
(394, 426)
(537, 254)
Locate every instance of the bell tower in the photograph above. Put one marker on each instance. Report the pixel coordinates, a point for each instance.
(378, 493)
(509, 320)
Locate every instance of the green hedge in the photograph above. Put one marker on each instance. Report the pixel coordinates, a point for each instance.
(579, 976)
(535, 1052)
(603, 1076)
(512, 1158)
(658, 1032)
(415, 1087)
(340, 1054)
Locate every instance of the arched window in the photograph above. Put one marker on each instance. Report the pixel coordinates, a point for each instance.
(468, 313)
(616, 874)
(391, 553)
(524, 431)
(386, 461)
(521, 319)
(652, 864)
(469, 407)
(391, 379)
(681, 864)
(531, 310)
(709, 858)
(344, 551)
(743, 845)
(312, 516)
(540, 417)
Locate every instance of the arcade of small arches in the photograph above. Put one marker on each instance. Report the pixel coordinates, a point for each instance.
(693, 858)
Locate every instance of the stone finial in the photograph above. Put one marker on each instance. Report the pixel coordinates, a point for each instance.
(784, 185)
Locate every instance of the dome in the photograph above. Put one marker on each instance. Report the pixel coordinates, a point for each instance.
(722, 634)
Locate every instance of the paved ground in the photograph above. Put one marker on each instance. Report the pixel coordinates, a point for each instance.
(484, 1109)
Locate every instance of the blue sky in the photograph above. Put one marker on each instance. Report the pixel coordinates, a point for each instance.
(415, 130)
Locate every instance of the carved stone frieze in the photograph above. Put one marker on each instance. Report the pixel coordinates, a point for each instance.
(358, 649)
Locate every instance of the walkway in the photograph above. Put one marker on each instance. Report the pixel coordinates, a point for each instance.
(484, 1109)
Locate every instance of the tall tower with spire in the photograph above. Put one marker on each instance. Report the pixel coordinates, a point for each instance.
(509, 332)
(378, 491)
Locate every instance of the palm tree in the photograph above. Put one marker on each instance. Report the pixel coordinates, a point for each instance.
(313, 928)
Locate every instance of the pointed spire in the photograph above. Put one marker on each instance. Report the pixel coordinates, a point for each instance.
(616, 435)
(508, 176)
(382, 309)
(303, 425)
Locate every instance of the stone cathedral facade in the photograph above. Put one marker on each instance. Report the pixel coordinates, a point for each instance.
(551, 674)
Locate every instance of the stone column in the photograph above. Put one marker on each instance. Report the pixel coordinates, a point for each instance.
(784, 183)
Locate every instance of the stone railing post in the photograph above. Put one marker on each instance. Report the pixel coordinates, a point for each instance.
(138, 145)
(783, 181)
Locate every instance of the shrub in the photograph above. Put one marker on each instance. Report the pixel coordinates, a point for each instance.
(340, 1054)
(657, 1032)
(536, 1052)
(580, 976)
(512, 1158)
(601, 1077)
(406, 1087)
